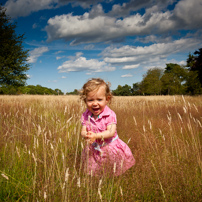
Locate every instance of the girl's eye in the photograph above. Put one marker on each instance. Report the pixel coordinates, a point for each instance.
(99, 99)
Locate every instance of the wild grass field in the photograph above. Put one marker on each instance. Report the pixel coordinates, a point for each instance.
(40, 150)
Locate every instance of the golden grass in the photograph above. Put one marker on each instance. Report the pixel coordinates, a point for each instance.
(40, 150)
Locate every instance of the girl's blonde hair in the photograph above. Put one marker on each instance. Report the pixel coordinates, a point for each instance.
(95, 84)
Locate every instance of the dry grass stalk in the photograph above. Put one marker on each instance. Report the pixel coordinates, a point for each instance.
(39, 140)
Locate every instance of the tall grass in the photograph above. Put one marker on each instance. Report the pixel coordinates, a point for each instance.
(40, 150)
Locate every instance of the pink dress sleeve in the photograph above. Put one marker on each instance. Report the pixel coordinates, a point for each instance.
(83, 121)
(111, 119)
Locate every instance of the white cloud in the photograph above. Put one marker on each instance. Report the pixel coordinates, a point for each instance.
(127, 75)
(82, 3)
(78, 55)
(96, 11)
(58, 58)
(147, 56)
(29, 76)
(16, 8)
(182, 62)
(58, 52)
(76, 64)
(83, 29)
(89, 47)
(97, 26)
(88, 29)
(154, 39)
(189, 14)
(130, 66)
(36, 53)
(63, 77)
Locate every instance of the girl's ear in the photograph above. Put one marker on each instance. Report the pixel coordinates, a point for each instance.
(108, 98)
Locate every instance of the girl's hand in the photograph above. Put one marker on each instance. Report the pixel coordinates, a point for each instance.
(91, 137)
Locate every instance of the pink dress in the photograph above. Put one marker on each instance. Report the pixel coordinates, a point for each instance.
(108, 156)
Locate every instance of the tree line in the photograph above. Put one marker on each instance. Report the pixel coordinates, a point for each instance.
(29, 89)
(174, 79)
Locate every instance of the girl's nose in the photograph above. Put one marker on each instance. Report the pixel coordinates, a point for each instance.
(94, 103)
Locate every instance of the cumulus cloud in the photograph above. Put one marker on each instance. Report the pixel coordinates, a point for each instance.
(89, 47)
(188, 13)
(59, 57)
(36, 53)
(77, 64)
(154, 39)
(82, 3)
(16, 8)
(58, 52)
(127, 75)
(131, 66)
(83, 29)
(124, 9)
(92, 28)
(182, 62)
(152, 55)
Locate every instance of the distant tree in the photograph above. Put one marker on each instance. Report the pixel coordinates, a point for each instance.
(190, 61)
(75, 92)
(13, 59)
(123, 90)
(194, 62)
(30, 89)
(58, 91)
(117, 91)
(151, 83)
(39, 90)
(136, 89)
(126, 90)
(193, 85)
(174, 79)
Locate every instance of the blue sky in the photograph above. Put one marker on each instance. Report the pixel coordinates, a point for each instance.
(72, 41)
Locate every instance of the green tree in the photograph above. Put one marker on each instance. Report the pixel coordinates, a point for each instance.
(194, 62)
(174, 79)
(193, 85)
(126, 90)
(58, 91)
(75, 92)
(151, 83)
(136, 90)
(13, 59)
(123, 90)
(117, 91)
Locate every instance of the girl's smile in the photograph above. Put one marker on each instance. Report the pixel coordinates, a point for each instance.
(96, 101)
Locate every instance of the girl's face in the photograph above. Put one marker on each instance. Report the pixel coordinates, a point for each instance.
(96, 101)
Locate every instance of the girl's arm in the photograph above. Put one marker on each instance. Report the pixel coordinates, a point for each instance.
(83, 131)
(110, 132)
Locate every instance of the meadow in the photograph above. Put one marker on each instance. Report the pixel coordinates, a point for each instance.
(40, 150)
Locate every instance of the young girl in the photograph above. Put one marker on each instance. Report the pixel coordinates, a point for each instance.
(105, 152)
